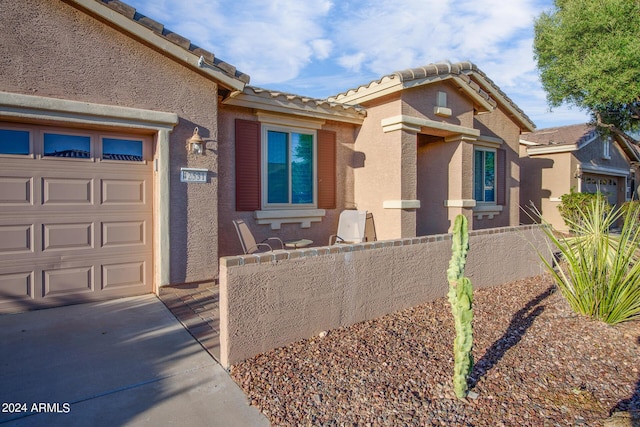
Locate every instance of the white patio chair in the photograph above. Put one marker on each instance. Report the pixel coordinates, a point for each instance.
(351, 227)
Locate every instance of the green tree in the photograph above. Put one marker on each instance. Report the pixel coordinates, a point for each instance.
(588, 55)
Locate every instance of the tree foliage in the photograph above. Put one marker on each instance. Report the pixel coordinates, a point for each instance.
(588, 55)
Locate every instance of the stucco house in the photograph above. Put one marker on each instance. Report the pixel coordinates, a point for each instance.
(556, 160)
(103, 195)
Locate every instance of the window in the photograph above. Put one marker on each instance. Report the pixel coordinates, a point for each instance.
(70, 146)
(122, 149)
(484, 175)
(289, 165)
(252, 167)
(606, 149)
(14, 142)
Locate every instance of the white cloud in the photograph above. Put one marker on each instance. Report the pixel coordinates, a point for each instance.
(320, 48)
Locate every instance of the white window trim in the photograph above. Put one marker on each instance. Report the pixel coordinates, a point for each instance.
(264, 163)
(495, 183)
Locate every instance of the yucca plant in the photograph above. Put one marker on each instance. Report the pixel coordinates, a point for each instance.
(599, 271)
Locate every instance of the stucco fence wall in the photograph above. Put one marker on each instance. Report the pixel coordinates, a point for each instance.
(274, 299)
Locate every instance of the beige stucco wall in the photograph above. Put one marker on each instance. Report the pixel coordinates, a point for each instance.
(272, 300)
(51, 49)
(380, 177)
(346, 158)
(420, 102)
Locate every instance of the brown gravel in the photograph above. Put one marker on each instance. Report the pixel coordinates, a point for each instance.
(537, 364)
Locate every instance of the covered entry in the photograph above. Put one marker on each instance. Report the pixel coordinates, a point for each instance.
(76, 215)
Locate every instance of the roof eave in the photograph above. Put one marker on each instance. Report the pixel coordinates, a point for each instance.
(283, 105)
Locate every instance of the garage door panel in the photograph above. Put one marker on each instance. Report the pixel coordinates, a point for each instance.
(76, 191)
(124, 233)
(56, 237)
(18, 286)
(123, 192)
(124, 275)
(16, 239)
(65, 281)
(16, 191)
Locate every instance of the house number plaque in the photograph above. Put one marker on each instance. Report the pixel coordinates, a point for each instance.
(193, 175)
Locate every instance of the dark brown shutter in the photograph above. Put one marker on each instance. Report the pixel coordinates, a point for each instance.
(501, 175)
(326, 169)
(247, 165)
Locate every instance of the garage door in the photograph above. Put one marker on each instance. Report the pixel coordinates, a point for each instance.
(605, 184)
(76, 212)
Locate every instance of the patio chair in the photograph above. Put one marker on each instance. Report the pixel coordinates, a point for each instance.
(248, 242)
(370, 229)
(351, 226)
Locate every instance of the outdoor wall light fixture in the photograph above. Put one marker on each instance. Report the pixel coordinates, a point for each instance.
(195, 144)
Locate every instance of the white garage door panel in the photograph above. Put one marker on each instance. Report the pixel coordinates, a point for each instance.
(74, 230)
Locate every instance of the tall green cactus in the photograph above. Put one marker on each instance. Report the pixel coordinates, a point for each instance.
(461, 298)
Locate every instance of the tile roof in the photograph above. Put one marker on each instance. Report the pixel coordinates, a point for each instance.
(483, 86)
(158, 28)
(305, 100)
(561, 135)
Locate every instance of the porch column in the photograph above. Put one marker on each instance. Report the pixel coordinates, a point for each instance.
(460, 199)
(403, 208)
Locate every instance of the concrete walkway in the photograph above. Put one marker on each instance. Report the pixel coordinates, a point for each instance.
(126, 362)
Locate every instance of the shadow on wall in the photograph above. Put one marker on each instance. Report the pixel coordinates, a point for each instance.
(182, 202)
(531, 191)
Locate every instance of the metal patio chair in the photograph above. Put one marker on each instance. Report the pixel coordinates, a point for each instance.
(248, 242)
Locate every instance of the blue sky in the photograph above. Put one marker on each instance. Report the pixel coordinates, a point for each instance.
(320, 48)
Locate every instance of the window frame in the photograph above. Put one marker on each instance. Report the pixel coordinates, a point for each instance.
(495, 175)
(30, 131)
(264, 160)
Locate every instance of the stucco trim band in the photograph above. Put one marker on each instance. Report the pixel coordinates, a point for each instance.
(415, 124)
(459, 203)
(401, 204)
(65, 112)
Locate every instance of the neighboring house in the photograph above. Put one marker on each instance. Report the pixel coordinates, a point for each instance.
(101, 195)
(556, 160)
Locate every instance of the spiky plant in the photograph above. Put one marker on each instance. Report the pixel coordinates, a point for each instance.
(599, 271)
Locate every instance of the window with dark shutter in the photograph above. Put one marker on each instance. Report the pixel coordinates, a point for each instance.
(326, 169)
(247, 165)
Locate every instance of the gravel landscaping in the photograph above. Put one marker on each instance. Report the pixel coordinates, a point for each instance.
(536, 364)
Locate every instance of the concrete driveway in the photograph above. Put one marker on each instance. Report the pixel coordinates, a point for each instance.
(126, 362)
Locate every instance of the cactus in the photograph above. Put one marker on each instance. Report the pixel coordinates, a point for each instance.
(461, 298)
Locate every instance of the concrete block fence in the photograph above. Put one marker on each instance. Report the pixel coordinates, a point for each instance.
(273, 299)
